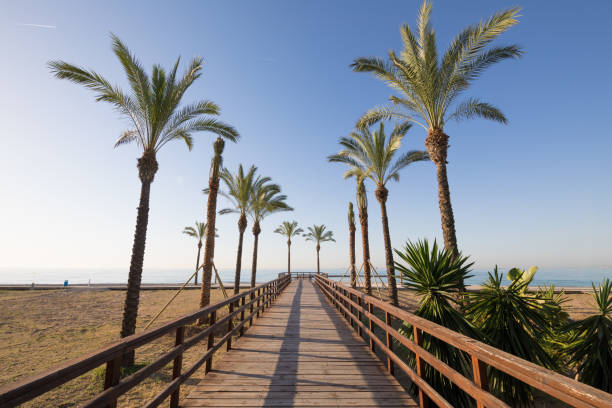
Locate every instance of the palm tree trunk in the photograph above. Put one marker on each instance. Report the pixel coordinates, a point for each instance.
(256, 231)
(437, 147)
(352, 255)
(289, 256)
(318, 249)
(381, 195)
(367, 277)
(211, 212)
(242, 224)
(198, 261)
(147, 167)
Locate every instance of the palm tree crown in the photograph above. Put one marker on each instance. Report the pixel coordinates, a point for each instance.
(289, 229)
(318, 234)
(430, 86)
(198, 232)
(371, 154)
(266, 199)
(152, 107)
(240, 188)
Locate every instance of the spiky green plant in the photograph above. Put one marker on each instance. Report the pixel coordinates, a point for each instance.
(289, 229)
(318, 234)
(156, 118)
(513, 321)
(265, 200)
(437, 275)
(239, 191)
(591, 346)
(372, 154)
(429, 87)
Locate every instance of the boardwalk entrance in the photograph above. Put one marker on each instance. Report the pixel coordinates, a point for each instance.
(300, 353)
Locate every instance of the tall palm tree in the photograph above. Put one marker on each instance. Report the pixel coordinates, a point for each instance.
(317, 234)
(374, 154)
(289, 229)
(152, 108)
(351, 223)
(360, 175)
(198, 232)
(428, 88)
(266, 199)
(211, 219)
(239, 191)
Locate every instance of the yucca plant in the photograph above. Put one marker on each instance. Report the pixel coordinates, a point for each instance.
(156, 118)
(513, 321)
(317, 234)
(437, 276)
(373, 153)
(428, 87)
(557, 317)
(591, 346)
(265, 200)
(289, 229)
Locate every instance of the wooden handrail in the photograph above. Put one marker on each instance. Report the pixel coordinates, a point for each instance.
(255, 300)
(350, 300)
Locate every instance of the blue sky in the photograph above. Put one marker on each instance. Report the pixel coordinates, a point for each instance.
(534, 192)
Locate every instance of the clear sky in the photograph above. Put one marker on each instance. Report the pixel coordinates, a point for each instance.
(534, 192)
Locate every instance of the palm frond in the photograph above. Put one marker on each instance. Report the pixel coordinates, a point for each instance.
(474, 108)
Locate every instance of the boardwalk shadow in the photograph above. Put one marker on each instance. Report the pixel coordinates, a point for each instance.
(285, 372)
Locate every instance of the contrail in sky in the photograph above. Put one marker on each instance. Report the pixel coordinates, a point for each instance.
(36, 25)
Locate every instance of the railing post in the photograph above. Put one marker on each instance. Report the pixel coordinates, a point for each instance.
(418, 339)
(230, 326)
(242, 303)
(211, 339)
(480, 377)
(371, 326)
(350, 295)
(112, 375)
(359, 315)
(258, 300)
(251, 309)
(176, 368)
(389, 343)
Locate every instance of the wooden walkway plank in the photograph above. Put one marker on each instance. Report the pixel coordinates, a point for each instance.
(300, 353)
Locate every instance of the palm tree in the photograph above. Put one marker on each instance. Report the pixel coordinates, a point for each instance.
(373, 153)
(317, 234)
(289, 229)
(152, 108)
(351, 223)
(198, 232)
(239, 191)
(266, 199)
(429, 88)
(362, 206)
(211, 219)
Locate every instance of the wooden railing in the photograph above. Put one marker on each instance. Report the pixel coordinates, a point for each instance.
(254, 300)
(358, 308)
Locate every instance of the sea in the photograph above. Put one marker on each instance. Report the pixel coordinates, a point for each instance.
(560, 276)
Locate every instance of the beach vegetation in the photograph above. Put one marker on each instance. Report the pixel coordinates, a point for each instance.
(289, 229)
(319, 234)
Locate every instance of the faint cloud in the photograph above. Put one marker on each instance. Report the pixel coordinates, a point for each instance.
(36, 25)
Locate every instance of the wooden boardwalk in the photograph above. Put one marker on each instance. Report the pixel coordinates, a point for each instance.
(300, 353)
